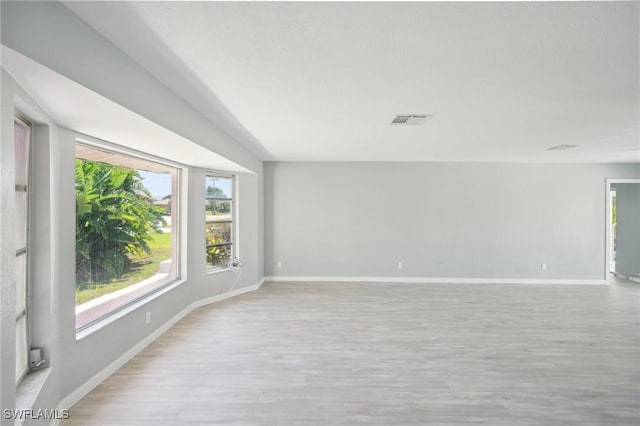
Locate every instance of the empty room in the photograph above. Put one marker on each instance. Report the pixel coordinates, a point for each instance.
(320, 213)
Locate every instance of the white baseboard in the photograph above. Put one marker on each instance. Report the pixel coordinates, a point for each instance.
(431, 280)
(223, 296)
(634, 278)
(75, 396)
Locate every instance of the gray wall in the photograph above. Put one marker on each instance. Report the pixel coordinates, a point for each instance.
(53, 36)
(628, 228)
(43, 331)
(455, 220)
(7, 255)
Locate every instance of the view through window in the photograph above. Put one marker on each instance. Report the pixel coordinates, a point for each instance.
(125, 230)
(219, 221)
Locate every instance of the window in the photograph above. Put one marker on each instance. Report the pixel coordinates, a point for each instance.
(126, 230)
(22, 139)
(219, 221)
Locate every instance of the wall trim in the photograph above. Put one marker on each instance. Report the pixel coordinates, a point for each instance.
(438, 280)
(75, 396)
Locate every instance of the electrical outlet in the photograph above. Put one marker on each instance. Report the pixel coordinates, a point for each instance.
(399, 265)
(543, 266)
(279, 264)
(147, 318)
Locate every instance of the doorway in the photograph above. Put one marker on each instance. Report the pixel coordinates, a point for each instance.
(622, 247)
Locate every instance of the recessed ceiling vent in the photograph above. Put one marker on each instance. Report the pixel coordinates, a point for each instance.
(561, 147)
(410, 119)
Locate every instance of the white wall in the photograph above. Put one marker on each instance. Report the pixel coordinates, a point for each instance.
(49, 34)
(628, 228)
(442, 220)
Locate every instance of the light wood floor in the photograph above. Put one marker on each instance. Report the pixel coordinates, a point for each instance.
(388, 354)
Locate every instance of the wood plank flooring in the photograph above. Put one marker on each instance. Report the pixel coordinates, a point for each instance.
(388, 354)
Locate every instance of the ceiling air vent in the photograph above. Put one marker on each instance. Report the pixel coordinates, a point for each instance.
(410, 119)
(561, 147)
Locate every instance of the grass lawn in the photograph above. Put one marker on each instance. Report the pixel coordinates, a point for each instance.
(142, 267)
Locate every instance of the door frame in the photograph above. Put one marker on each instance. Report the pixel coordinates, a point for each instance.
(609, 213)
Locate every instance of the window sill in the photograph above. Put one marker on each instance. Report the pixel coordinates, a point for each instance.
(211, 271)
(126, 310)
(108, 303)
(29, 389)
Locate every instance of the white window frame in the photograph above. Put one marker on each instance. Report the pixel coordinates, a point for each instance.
(84, 329)
(22, 351)
(234, 220)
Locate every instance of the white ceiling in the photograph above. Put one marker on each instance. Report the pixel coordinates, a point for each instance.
(75, 107)
(322, 81)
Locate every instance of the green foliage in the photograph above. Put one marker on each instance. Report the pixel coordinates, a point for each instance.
(614, 211)
(215, 192)
(141, 268)
(115, 218)
(217, 234)
(215, 206)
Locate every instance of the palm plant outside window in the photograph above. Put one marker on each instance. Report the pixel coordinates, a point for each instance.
(126, 230)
